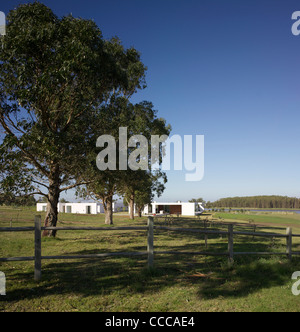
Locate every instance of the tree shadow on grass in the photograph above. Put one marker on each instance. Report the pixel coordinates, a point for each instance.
(129, 275)
(249, 273)
(246, 278)
(91, 277)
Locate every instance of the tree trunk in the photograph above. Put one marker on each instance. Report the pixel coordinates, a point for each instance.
(108, 210)
(131, 207)
(140, 212)
(53, 199)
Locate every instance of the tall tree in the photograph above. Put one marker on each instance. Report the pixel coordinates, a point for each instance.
(146, 123)
(153, 184)
(103, 184)
(54, 73)
(101, 187)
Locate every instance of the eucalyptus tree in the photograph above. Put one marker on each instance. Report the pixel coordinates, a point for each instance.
(101, 187)
(145, 178)
(55, 73)
(104, 173)
(150, 184)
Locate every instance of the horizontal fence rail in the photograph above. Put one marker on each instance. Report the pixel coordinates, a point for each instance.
(150, 252)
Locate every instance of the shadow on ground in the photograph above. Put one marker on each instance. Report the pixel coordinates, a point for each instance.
(211, 276)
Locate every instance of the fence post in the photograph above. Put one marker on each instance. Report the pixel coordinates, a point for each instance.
(254, 230)
(150, 248)
(289, 242)
(230, 244)
(38, 249)
(205, 236)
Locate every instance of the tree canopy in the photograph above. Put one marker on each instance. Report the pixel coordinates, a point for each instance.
(261, 202)
(55, 73)
(102, 185)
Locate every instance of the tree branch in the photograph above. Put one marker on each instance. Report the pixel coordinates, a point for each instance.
(41, 184)
(74, 186)
(26, 153)
(36, 193)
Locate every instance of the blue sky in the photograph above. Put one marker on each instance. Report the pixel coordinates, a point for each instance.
(228, 70)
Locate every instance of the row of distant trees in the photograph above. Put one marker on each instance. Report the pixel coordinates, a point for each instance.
(62, 86)
(259, 202)
(17, 201)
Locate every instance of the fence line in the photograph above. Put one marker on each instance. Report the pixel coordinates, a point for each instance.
(37, 258)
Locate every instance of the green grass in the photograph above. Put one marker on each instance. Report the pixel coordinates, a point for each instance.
(176, 283)
(276, 219)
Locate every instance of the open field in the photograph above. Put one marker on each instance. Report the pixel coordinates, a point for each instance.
(264, 218)
(176, 283)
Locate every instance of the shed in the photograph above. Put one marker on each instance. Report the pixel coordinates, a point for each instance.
(76, 208)
(177, 208)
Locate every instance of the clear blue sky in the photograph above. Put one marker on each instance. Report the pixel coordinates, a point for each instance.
(228, 70)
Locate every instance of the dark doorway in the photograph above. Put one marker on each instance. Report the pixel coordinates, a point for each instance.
(88, 210)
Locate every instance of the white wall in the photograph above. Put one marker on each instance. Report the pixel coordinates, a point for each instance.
(79, 208)
(188, 209)
(116, 205)
(144, 211)
(41, 207)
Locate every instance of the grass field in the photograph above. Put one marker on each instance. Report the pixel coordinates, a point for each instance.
(266, 218)
(176, 283)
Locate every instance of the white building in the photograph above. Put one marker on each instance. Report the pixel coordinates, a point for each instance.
(79, 208)
(177, 208)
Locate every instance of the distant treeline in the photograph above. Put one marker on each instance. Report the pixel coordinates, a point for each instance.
(259, 202)
(17, 201)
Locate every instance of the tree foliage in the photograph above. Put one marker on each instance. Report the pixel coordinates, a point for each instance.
(55, 73)
(138, 119)
(261, 202)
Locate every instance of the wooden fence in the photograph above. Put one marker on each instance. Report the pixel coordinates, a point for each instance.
(150, 252)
